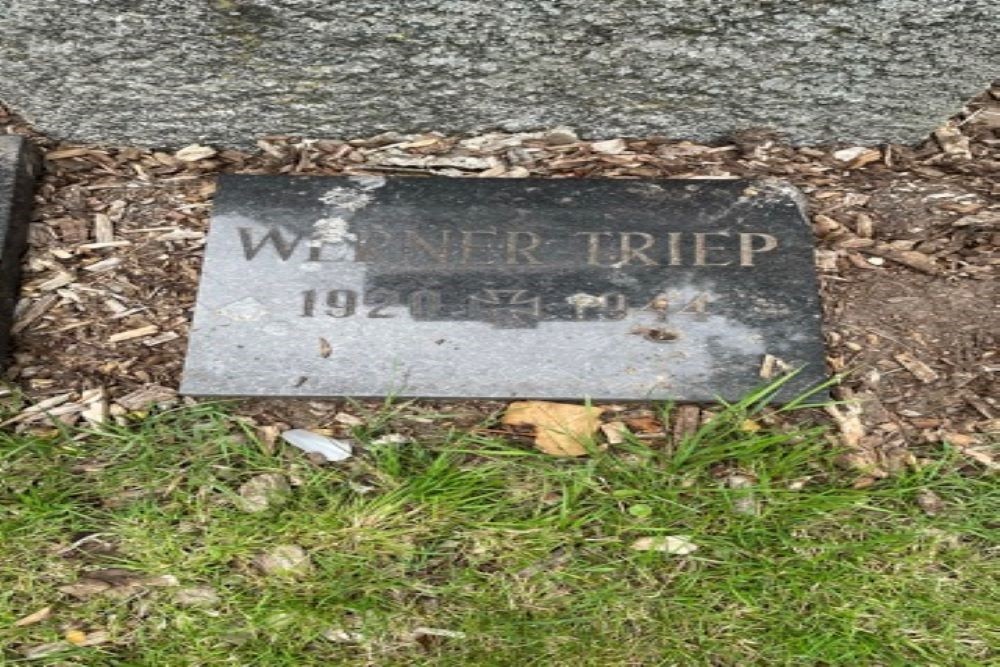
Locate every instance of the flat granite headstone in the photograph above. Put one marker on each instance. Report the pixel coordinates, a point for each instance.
(18, 169)
(503, 288)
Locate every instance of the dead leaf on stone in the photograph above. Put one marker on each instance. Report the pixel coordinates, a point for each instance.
(560, 428)
(675, 545)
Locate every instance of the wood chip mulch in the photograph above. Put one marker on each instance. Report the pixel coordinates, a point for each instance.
(907, 249)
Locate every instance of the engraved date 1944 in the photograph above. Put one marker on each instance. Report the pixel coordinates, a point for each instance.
(507, 308)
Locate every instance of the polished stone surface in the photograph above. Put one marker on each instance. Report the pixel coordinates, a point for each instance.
(505, 288)
(18, 169)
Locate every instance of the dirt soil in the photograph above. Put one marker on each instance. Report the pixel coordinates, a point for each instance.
(907, 241)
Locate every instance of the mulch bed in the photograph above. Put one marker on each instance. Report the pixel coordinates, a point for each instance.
(907, 241)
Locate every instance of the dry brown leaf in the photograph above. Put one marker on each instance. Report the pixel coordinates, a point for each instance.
(36, 617)
(559, 427)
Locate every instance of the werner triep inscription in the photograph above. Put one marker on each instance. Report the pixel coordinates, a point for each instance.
(607, 289)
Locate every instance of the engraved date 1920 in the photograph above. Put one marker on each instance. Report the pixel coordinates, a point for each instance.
(345, 303)
(510, 306)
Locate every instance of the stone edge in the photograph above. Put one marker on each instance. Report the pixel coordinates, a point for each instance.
(22, 164)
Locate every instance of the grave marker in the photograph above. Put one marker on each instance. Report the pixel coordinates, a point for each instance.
(502, 288)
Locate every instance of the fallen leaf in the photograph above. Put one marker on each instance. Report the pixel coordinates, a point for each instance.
(749, 426)
(930, 503)
(284, 560)
(329, 448)
(36, 617)
(675, 545)
(645, 425)
(198, 596)
(85, 588)
(559, 427)
(264, 491)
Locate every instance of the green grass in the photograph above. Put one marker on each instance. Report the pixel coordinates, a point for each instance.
(528, 556)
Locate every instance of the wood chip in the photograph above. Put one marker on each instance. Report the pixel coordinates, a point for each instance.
(615, 432)
(953, 142)
(34, 311)
(103, 265)
(133, 333)
(164, 337)
(911, 258)
(922, 371)
(146, 397)
(104, 229)
(61, 279)
(686, 420)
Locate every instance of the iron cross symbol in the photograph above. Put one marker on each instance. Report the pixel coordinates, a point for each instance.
(506, 308)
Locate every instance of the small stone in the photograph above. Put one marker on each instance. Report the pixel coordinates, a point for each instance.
(610, 147)
(848, 154)
(284, 560)
(342, 636)
(194, 152)
(560, 136)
